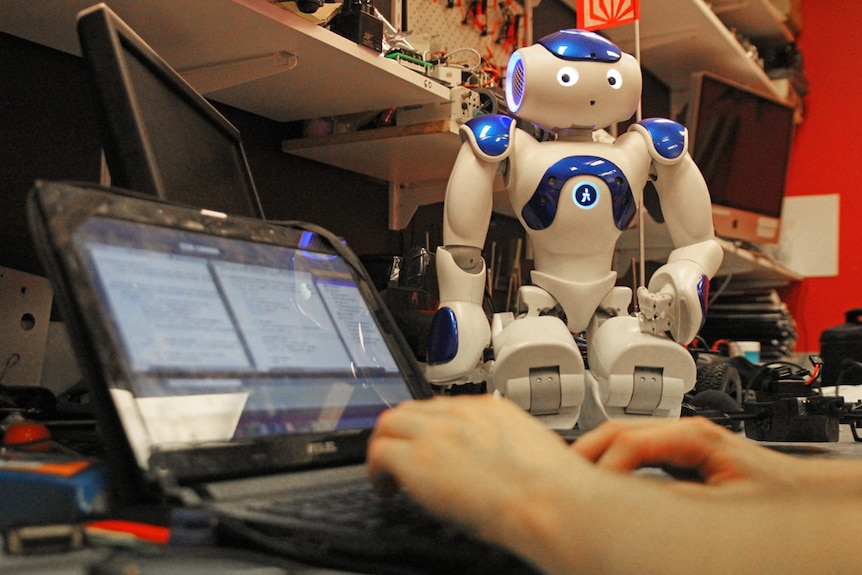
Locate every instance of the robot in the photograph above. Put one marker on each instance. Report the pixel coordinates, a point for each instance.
(574, 197)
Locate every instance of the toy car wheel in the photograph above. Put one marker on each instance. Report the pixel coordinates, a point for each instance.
(719, 376)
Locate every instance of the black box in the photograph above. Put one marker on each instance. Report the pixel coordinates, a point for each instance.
(361, 27)
(840, 347)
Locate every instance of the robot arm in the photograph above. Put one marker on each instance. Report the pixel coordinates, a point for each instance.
(460, 330)
(675, 302)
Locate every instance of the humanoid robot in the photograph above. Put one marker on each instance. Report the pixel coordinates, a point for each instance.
(574, 197)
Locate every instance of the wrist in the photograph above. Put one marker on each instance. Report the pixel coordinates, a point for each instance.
(550, 523)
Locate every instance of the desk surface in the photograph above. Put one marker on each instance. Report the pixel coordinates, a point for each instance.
(214, 561)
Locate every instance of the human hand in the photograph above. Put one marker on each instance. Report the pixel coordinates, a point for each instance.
(472, 459)
(694, 444)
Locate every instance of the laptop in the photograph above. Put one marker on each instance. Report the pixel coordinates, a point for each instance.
(234, 365)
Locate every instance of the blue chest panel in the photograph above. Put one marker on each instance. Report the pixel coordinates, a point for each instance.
(541, 209)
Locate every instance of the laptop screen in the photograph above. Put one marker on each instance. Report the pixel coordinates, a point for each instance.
(161, 137)
(225, 339)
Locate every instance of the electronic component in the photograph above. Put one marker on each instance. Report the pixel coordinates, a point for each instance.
(357, 22)
(739, 139)
(841, 347)
(200, 161)
(463, 105)
(34, 539)
(451, 75)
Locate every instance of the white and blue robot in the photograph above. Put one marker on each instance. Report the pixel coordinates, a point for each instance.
(574, 197)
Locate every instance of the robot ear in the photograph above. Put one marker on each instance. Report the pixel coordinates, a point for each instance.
(632, 66)
(632, 73)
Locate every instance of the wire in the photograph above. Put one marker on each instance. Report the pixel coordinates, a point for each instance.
(721, 289)
(11, 362)
(814, 374)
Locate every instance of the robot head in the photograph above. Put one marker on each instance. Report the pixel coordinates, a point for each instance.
(573, 79)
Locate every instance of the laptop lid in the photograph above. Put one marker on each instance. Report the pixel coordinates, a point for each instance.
(217, 346)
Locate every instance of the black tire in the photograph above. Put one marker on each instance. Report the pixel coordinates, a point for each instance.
(719, 376)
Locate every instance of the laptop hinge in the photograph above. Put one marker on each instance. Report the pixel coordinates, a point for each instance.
(169, 486)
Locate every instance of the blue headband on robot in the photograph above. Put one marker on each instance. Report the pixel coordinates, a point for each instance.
(579, 45)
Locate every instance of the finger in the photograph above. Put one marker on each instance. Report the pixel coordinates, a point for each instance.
(593, 444)
(409, 419)
(384, 465)
(689, 444)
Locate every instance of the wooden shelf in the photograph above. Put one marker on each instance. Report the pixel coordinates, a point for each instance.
(401, 154)
(332, 75)
(752, 270)
(746, 269)
(679, 37)
(416, 161)
(758, 20)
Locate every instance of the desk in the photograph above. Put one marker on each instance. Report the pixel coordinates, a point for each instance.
(157, 561)
(193, 560)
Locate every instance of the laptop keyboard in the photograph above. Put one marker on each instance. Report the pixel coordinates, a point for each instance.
(359, 507)
(353, 521)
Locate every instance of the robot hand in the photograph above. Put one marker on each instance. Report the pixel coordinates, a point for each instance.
(654, 314)
(460, 330)
(675, 302)
(678, 292)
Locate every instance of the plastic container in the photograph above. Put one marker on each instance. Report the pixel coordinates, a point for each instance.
(841, 343)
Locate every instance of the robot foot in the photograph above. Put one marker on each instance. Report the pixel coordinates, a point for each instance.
(538, 365)
(633, 374)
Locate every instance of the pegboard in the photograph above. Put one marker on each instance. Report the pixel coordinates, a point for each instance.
(457, 26)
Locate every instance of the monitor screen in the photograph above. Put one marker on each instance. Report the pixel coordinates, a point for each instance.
(161, 137)
(741, 142)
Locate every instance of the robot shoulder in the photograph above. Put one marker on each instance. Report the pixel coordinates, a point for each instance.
(666, 140)
(490, 135)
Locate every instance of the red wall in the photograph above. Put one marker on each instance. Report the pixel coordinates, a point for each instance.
(827, 156)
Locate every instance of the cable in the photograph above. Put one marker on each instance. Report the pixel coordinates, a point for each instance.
(11, 361)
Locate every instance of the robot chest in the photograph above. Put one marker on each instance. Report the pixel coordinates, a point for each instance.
(578, 188)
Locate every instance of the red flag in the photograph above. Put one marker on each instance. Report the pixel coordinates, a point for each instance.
(596, 14)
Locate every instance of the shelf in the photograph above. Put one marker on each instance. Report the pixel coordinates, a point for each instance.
(745, 268)
(679, 37)
(401, 154)
(752, 270)
(757, 20)
(416, 161)
(332, 75)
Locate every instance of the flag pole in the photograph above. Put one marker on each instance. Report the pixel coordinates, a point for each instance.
(639, 117)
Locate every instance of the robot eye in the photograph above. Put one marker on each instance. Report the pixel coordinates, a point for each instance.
(615, 79)
(567, 76)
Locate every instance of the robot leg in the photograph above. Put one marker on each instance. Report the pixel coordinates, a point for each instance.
(537, 363)
(634, 374)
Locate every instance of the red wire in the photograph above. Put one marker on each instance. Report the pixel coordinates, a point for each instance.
(143, 531)
(815, 372)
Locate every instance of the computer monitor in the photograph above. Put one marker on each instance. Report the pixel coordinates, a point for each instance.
(161, 137)
(741, 142)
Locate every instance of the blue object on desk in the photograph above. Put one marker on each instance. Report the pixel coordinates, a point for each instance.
(34, 492)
